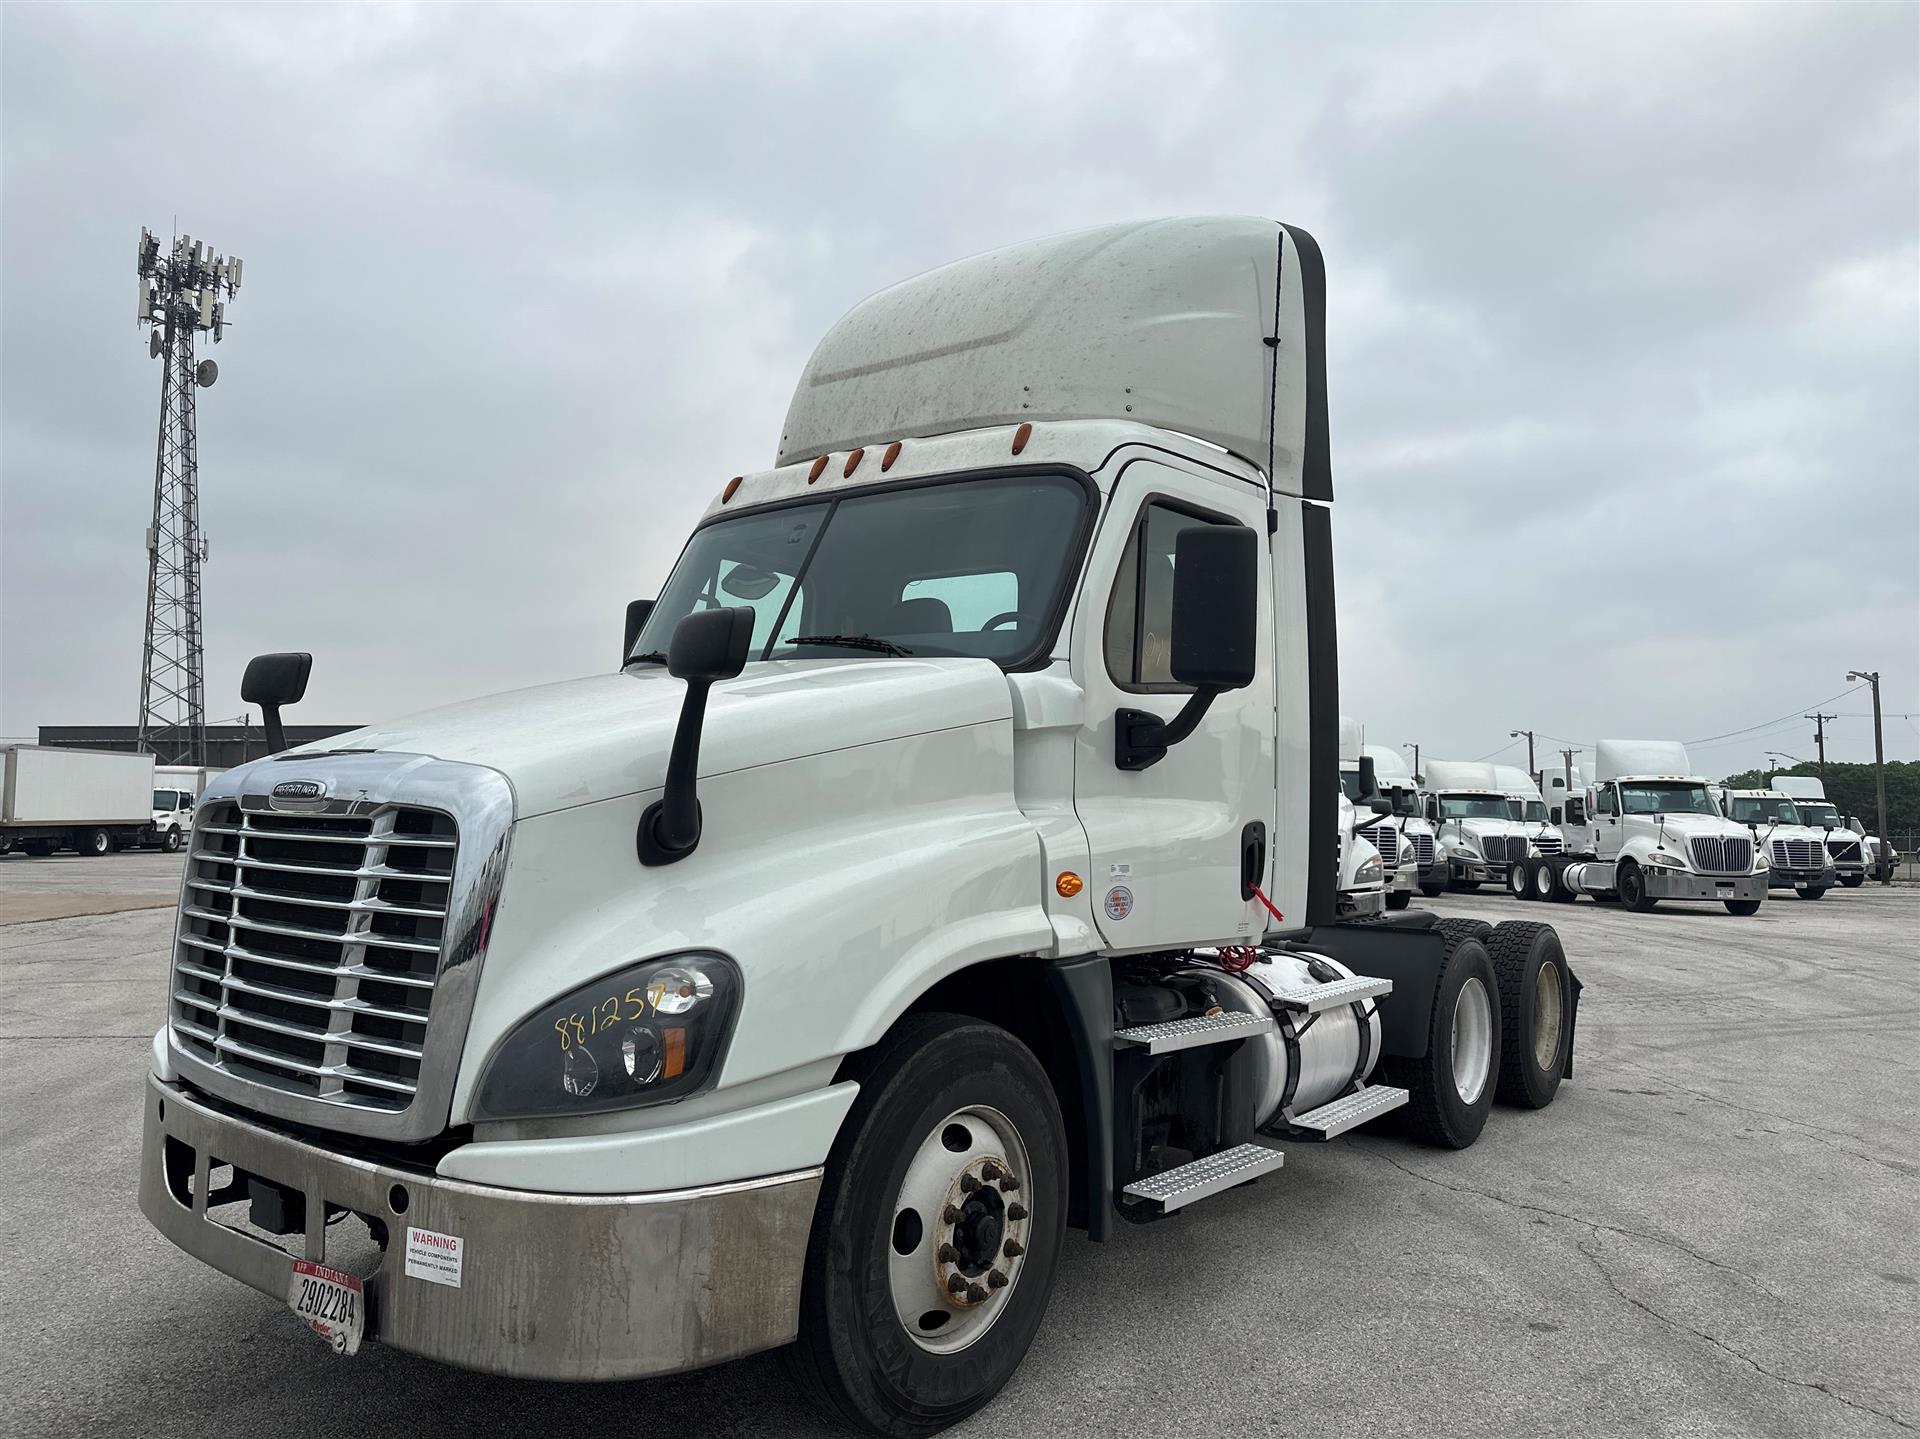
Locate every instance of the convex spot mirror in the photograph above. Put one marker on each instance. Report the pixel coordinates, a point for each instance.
(637, 612)
(1216, 606)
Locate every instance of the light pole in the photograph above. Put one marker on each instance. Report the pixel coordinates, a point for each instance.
(1872, 677)
(1515, 734)
(1780, 754)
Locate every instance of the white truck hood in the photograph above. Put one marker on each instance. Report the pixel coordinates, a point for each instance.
(1689, 825)
(598, 738)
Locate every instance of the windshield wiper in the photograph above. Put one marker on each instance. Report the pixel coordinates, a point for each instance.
(651, 656)
(853, 642)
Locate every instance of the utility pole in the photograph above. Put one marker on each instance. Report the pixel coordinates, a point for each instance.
(1416, 762)
(1532, 773)
(180, 295)
(1820, 739)
(1872, 677)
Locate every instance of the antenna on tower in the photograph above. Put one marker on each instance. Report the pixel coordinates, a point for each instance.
(183, 291)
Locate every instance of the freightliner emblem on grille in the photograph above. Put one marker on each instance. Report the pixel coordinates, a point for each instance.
(301, 794)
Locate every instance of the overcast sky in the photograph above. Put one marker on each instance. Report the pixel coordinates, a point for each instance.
(1624, 323)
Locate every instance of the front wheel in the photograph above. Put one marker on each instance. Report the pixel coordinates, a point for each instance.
(1743, 906)
(1631, 881)
(937, 1231)
(1451, 1087)
(1399, 898)
(172, 842)
(1465, 886)
(1853, 881)
(1433, 889)
(1812, 891)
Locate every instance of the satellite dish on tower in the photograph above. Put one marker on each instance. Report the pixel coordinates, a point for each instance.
(205, 373)
(153, 344)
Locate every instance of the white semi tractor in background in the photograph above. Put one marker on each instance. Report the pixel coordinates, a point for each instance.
(951, 861)
(1373, 821)
(1796, 852)
(1650, 830)
(1846, 840)
(92, 802)
(1528, 807)
(1475, 827)
(1398, 783)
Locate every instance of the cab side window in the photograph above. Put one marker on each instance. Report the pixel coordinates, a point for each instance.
(1139, 637)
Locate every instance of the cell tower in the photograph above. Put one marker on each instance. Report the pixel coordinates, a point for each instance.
(180, 296)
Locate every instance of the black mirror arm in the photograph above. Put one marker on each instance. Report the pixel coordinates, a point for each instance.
(1141, 738)
(670, 828)
(276, 736)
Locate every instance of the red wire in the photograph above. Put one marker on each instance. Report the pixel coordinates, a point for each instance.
(1267, 902)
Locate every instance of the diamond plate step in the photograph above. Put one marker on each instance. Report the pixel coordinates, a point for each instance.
(1349, 1111)
(1312, 998)
(1191, 1033)
(1173, 1189)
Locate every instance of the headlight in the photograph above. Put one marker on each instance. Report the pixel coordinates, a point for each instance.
(1369, 873)
(1462, 851)
(1666, 861)
(644, 1035)
(1762, 861)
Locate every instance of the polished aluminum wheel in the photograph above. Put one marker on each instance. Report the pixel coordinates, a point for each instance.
(960, 1228)
(1472, 1040)
(1546, 1016)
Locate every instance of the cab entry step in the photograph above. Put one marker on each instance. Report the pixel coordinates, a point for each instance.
(1173, 1189)
(1312, 998)
(1191, 1033)
(1350, 1111)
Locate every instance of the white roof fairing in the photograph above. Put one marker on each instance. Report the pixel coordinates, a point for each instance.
(1162, 322)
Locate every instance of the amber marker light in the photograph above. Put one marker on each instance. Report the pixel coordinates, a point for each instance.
(892, 454)
(732, 485)
(1067, 884)
(853, 463)
(1021, 436)
(819, 469)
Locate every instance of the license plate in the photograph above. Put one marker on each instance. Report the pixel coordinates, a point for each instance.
(329, 1303)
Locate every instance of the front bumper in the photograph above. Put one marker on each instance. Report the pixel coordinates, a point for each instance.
(552, 1286)
(1684, 884)
(1781, 877)
(1351, 902)
(1478, 871)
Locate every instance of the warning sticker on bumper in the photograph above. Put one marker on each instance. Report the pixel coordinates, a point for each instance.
(433, 1257)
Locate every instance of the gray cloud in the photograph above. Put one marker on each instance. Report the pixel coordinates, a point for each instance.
(1625, 324)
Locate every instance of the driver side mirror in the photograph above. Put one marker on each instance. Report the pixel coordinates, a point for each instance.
(272, 681)
(637, 612)
(1215, 634)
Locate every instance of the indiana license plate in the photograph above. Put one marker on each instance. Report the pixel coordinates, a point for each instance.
(330, 1303)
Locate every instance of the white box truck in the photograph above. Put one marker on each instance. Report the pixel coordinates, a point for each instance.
(1796, 852)
(1649, 829)
(90, 801)
(951, 862)
(1846, 841)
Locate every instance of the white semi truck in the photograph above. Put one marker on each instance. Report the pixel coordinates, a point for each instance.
(1474, 824)
(1846, 843)
(1527, 806)
(950, 863)
(1650, 829)
(92, 802)
(1398, 783)
(1370, 812)
(1796, 851)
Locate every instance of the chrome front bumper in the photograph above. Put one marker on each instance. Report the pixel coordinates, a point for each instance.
(1684, 884)
(1782, 877)
(552, 1286)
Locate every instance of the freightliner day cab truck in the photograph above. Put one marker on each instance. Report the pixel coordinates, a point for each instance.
(1796, 851)
(1652, 831)
(1397, 781)
(1370, 815)
(951, 862)
(1846, 843)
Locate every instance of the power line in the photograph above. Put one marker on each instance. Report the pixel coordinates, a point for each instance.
(1502, 750)
(1798, 713)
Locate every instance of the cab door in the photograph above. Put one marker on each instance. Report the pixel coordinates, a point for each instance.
(1171, 843)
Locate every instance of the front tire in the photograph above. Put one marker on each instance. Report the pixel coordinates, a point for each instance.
(1451, 1088)
(903, 1328)
(1743, 906)
(171, 843)
(1853, 881)
(1536, 1011)
(1399, 898)
(1812, 891)
(1631, 881)
(1434, 889)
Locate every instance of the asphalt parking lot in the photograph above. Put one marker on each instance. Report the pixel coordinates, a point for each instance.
(1712, 1232)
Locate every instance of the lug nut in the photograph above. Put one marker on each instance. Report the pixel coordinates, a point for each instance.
(996, 1280)
(1013, 1249)
(1010, 1183)
(957, 1285)
(992, 1172)
(976, 1292)
(947, 1254)
(968, 1184)
(950, 1215)
(1016, 1211)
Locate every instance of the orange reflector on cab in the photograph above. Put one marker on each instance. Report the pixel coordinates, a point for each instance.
(732, 485)
(1067, 884)
(1021, 436)
(819, 467)
(676, 1056)
(892, 454)
(853, 463)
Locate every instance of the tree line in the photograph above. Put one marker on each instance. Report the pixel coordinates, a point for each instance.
(1850, 788)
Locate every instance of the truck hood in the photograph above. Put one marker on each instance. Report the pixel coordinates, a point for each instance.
(598, 738)
(1689, 825)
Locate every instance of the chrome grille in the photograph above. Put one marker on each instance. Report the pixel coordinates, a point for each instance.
(1422, 849)
(1798, 853)
(1718, 854)
(1503, 848)
(1386, 839)
(1845, 850)
(309, 947)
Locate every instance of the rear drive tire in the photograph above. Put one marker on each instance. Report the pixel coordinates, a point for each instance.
(1536, 1011)
(1812, 891)
(1451, 1088)
(1454, 928)
(1743, 906)
(38, 848)
(93, 843)
(1520, 880)
(940, 1093)
(1399, 898)
(1632, 884)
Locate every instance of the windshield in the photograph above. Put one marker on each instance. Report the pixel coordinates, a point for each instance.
(1641, 797)
(1816, 814)
(166, 799)
(1533, 811)
(1473, 806)
(962, 567)
(1772, 809)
